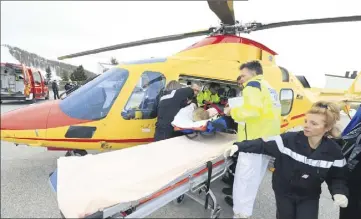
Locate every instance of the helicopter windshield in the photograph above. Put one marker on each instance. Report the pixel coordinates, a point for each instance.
(94, 100)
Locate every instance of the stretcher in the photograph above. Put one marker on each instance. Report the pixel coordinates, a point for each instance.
(195, 183)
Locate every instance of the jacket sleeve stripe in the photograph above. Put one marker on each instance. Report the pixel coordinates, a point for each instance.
(168, 96)
(302, 159)
(278, 141)
(339, 163)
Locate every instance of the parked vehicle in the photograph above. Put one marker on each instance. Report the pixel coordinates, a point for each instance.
(19, 82)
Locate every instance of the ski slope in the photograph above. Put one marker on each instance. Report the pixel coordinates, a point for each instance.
(6, 57)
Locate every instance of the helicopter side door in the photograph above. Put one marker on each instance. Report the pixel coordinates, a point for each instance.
(143, 103)
(291, 99)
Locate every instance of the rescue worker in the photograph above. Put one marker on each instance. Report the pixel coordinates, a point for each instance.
(259, 116)
(230, 178)
(304, 160)
(209, 95)
(169, 105)
(67, 88)
(55, 88)
(173, 85)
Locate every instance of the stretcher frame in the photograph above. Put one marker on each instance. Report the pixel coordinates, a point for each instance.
(191, 183)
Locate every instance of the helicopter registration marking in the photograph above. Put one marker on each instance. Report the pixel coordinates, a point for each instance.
(146, 130)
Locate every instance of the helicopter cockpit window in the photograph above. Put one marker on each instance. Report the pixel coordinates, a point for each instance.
(143, 101)
(285, 75)
(94, 100)
(286, 99)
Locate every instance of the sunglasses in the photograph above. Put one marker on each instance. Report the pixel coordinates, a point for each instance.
(324, 106)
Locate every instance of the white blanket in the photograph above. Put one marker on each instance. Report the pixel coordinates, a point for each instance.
(184, 119)
(94, 182)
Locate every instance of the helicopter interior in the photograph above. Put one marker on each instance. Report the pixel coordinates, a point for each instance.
(143, 101)
(226, 89)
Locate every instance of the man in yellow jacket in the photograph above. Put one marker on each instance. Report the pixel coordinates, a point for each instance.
(259, 116)
(209, 95)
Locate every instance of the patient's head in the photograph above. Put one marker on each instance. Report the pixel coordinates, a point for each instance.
(200, 114)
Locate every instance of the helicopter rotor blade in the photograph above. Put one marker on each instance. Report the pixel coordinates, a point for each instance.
(308, 21)
(223, 9)
(140, 42)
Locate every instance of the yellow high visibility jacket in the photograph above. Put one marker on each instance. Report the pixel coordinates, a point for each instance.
(260, 114)
(207, 96)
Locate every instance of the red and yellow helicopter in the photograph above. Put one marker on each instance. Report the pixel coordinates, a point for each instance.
(117, 109)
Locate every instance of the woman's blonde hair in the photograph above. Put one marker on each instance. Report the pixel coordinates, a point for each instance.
(332, 114)
(200, 114)
(173, 85)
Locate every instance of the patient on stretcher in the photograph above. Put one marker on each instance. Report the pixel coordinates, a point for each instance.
(201, 114)
(193, 118)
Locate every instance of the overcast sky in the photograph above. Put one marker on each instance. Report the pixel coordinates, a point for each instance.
(52, 29)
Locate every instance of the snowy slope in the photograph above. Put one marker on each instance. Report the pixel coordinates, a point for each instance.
(7, 57)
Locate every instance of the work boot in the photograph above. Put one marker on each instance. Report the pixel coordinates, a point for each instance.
(229, 201)
(227, 181)
(227, 191)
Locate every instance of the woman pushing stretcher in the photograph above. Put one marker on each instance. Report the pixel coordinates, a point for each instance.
(304, 160)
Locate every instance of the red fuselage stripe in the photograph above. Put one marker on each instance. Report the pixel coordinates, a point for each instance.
(230, 39)
(298, 116)
(284, 125)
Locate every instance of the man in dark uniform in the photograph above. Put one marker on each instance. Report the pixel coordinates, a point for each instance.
(169, 105)
(55, 88)
(352, 151)
(353, 210)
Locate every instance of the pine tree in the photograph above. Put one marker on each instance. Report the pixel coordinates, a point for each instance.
(48, 73)
(65, 76)
(81, 73)
(72, 76)
(78, 74)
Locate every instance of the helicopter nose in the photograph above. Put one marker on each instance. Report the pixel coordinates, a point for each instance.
(38, 116)
(31, 117)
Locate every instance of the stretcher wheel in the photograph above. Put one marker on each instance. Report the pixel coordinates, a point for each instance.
(189, 136)
(179, 200)
(216, 213)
